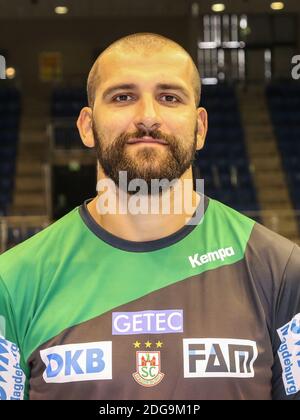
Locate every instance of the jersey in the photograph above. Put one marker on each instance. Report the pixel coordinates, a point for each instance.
(209, 312)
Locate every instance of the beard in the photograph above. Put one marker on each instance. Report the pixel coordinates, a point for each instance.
(146, 162)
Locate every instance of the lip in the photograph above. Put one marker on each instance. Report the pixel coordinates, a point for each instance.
(147, 140)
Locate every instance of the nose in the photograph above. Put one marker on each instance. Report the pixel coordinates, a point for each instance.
(147, 118)
(148, 128)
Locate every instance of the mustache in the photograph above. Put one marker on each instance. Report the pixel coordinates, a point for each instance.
(155, 134)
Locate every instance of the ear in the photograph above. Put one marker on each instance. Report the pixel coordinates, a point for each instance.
(202, 127)
(84, 125)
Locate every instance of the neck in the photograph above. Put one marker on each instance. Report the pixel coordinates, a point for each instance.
(146, 218)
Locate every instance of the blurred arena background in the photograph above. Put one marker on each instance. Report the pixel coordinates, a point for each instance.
(247, 52)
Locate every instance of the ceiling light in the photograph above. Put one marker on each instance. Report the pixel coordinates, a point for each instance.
(277, 5)
(218, 7)
(61, 10)
(10, 72)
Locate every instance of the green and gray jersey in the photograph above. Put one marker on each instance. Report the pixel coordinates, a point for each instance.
(209, 312)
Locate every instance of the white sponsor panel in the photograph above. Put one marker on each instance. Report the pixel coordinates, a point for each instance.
(78, 362)
(12, 378)
(218, 357)
(289, 354)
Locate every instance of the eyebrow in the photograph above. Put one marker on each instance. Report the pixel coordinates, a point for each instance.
(132, 86)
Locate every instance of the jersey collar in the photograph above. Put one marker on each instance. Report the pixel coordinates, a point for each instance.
(135, 246)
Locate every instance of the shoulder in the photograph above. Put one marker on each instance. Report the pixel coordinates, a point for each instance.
(267, 254)
(25, 259)
(272, 253)
(261, 241)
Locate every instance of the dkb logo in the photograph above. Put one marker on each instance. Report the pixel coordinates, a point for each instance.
(2, 67)
(78, 362)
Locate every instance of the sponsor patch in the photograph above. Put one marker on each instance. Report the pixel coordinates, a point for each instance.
(78, 362)
(12, 377)
(147, 322)
(289, 354)
(218, 357)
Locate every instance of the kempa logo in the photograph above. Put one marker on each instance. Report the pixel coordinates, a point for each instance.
(219, 254)
(2, 67)
(78, 362)
(218, 357)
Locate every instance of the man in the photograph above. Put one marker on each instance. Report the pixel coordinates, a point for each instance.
(114, 303)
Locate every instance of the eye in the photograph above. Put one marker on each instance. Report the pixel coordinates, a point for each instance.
(170, 98)
(121, 98)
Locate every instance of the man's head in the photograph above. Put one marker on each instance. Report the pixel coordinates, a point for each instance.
(144, 44)
(144, 87)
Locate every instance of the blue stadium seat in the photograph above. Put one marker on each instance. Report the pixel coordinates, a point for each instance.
(230, 181)
(10, 109)
(284, 104)
(66, 104)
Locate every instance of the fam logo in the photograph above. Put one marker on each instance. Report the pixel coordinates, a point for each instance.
(12, 378)
(78, 362)
(148, 365)
(2, 67)
(289, 354)
(147, 322)
(218, 357)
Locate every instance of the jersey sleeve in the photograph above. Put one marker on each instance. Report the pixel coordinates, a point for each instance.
(13, 382)
(286, 368)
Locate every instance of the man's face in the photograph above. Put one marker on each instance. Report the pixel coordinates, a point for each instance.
(145, 128)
